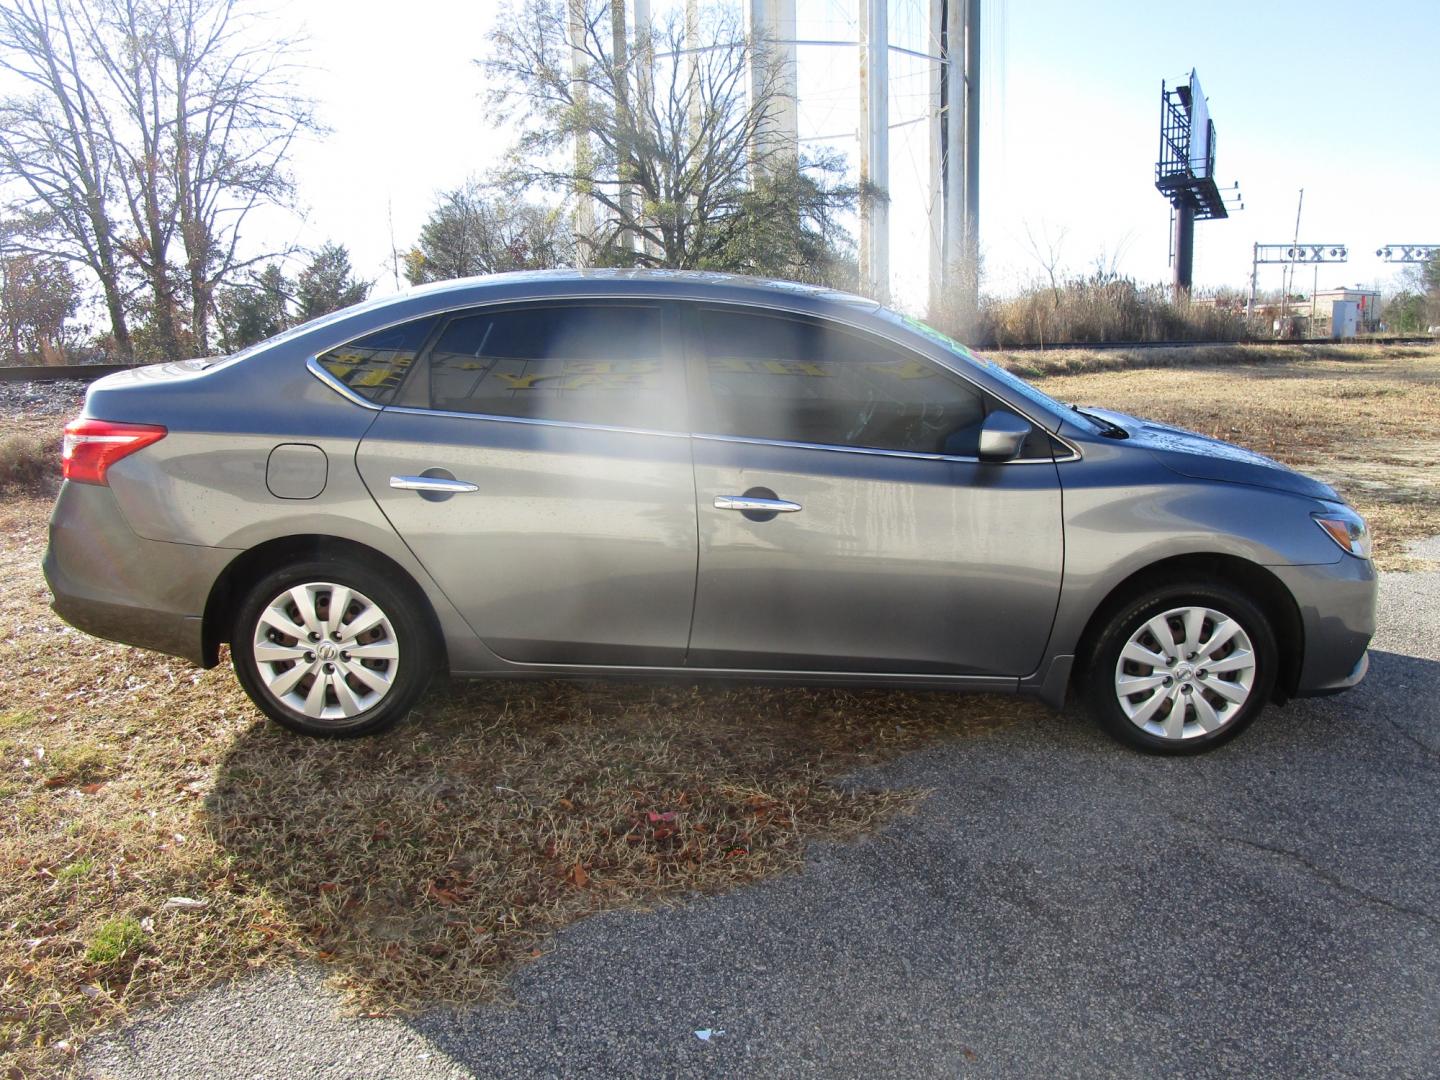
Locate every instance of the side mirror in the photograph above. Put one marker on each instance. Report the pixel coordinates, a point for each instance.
(1002, 435)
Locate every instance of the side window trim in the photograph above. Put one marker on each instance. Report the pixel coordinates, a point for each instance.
(318, 370)
(875, 451)
(702, 405)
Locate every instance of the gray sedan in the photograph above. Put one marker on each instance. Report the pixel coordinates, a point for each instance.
(673, 474)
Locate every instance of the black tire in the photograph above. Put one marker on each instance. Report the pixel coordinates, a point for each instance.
(403, 632)
(1196, 688)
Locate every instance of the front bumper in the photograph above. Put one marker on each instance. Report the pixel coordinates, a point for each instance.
(1337, 614)
(111, 583)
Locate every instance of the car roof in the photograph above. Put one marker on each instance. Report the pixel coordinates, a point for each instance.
(656, 283)
(441, 296)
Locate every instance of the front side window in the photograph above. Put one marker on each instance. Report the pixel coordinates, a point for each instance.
(802, 380)
(589, 364)
(374, 366)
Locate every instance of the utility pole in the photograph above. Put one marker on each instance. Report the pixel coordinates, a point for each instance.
(955, 157)
(1288, 279)
(1254, 280)
(972, 150)
(875, 148)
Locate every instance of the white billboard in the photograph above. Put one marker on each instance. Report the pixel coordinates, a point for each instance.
(1199, 130)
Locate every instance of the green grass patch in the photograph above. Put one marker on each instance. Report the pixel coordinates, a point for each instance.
(115, 940)
(75, 871)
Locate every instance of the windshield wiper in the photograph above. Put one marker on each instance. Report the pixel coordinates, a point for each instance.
(1108, 428)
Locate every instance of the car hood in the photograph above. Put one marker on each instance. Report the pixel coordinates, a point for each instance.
(1199, 456)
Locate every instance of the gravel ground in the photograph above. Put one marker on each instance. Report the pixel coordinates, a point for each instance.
(27, 399)
(1057, 906)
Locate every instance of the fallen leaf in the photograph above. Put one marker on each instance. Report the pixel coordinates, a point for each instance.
(184, 903)
(444, 895)
(91, 789)
(328, 886)
(579, 876)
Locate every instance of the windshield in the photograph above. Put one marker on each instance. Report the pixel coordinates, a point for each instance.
(1019, 385)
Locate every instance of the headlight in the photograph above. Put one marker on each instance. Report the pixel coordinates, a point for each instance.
(1347, 529)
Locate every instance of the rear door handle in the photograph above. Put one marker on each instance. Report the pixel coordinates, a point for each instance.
(751, 503)
(432, 483)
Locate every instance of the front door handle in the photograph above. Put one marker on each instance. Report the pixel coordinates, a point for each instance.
(752, 504)
(433, 483)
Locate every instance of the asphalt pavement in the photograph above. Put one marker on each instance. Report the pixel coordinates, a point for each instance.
(1058, 906)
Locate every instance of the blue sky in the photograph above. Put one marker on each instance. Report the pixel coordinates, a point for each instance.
(1340, 99)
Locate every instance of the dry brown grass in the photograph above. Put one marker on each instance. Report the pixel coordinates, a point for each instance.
(1100, 306)
(419, 866)
(29, 458)
(1078, 360)
(1366, 418)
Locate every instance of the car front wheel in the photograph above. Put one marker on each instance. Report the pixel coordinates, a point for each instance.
(1182, 669)
(330, 648)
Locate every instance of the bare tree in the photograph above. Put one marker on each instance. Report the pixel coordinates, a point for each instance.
(208, 113)
(53, 146)
(1048, 251)
(673, 134)
(179, 116)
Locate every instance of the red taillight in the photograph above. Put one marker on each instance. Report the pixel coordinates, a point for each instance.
(92, 446)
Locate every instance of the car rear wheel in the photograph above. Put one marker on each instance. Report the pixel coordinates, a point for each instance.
(1182, 669)
(331, 648)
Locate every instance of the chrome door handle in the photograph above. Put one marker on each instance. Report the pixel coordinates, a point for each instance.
(432, 483)
(749, 502)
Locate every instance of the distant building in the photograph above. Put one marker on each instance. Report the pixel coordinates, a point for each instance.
(1367, 300)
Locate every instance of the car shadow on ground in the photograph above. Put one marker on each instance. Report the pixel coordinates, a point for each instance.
(423, 864)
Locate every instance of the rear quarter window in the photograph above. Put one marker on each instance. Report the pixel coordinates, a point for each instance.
(375, 365)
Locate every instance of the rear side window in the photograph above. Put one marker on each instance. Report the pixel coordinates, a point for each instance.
(800, 380)
(374, 366)
(587, 364)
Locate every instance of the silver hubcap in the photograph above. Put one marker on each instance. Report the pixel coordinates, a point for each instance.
(326, 651)
(1185, 673)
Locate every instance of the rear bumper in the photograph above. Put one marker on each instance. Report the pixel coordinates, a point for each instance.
(111, 583)
(1337, 612)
